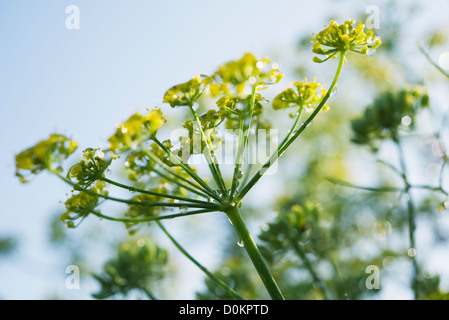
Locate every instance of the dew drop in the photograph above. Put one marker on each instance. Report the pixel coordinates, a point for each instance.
(240, 243)
(252, 80)
(406, 121)
(370, 52)
(309, 124)
(411, 252)
(240, 174)
(182, 209)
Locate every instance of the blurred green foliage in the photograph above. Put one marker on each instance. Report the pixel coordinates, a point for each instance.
(138, 265)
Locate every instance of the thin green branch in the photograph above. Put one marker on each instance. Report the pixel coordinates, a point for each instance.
(172, 172)
(436, 65)
(223, 285)
(186, 167)
(239, 155)
(350, 185)
(157, 194)
(393, 168)
(150, 219)
(212, 160)
(411, 217)
(316, 279)
(431, 188)
(149, 293)
(281, 149)
(133, 202)
(181, 183)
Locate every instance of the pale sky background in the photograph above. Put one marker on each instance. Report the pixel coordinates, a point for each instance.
(122, 59)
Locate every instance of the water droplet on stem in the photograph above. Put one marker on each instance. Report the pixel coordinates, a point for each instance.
(183, 209)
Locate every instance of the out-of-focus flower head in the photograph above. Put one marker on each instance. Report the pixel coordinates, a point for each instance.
(186, 94)
(136, 129)
(245, 72)
(44, 155)
(305, 95)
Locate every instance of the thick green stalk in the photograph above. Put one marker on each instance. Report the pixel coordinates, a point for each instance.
(281, 149)
(237, 221)
(223, 285)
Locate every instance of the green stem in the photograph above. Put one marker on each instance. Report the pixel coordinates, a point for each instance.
(281, 149)
(431, 61)
(149, 219)
(186, 167)
(157, 194)
(350, 185)
(411, 216)
(237, 221)
(212, 160)
(316, 279)
(172, 172)
(242, 143)
(133, 202)
(292, 130)
(176, 180)
(223, 285)
(149, 293)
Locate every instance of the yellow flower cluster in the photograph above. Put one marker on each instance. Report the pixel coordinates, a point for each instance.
(44, 155)
(247, 70)
(342, 38)
(185, 94)
(304, 94)
(79, 205)
(135, 130)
